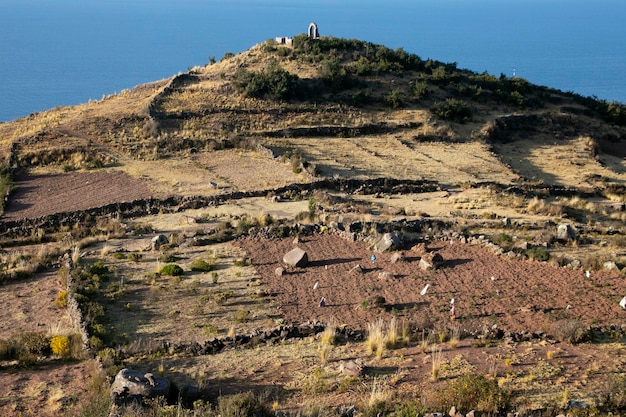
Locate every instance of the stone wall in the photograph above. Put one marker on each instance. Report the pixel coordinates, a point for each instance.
(176, 204)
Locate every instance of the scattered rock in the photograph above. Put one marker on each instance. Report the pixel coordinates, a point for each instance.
(296, 257)
(385, 275)
(377, 301)
(522, 245)
(388, 241)
(279, 272)
(357, 268)
(420, 249)
(565, 232)
(610, 266)
(397, 257)
(131, 385)
(431, 260)
(158, 241)
(352, 368)
(183, 220)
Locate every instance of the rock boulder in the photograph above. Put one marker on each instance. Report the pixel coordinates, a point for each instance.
(131, 385)
(352, 368)
(388, 241)
(158, 241)
(397, 257)
(296, 257)
(431, 260)
(565, 232)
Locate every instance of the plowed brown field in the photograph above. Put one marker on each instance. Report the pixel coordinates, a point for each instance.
(522, 296)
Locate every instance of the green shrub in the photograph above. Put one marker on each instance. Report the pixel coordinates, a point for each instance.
(612, 395)
(539, 254)
(335, 75)
(419, 89)
(95, 163)
(242, 316)
(168, 258)
(274, 82)
(244, 262)
(134, 256)
(472, 392)
(410, 409)
(200, 265)
(453, 110)
(222, 297)
(96, 343)
(503, 239)
(395, 98)
(34, 342)
(6, 183)
(98, 268)
(171, 270)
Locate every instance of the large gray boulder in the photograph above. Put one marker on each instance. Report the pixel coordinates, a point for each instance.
(388, 241)
(131, 385)
(296, 257)
(565, 232)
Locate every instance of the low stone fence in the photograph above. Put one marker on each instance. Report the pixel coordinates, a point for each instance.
(174, 204)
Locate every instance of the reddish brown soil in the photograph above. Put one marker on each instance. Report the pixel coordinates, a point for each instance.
(524, 296)
(39, 195)
(49, 386)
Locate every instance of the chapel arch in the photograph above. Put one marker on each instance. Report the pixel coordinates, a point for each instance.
(313, 33)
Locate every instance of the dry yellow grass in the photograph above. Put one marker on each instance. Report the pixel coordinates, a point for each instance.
(563, 162)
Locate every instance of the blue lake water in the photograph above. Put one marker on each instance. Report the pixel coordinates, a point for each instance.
(64, 52)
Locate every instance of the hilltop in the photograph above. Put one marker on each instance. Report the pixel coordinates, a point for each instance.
(326, 144)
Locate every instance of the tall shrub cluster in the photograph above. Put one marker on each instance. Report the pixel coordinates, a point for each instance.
(273, 82)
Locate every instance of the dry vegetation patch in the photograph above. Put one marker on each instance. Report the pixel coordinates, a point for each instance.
(570, 163)
(145, 307)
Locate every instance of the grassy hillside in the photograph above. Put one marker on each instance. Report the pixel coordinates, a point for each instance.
(281, 96)
(325, 144)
